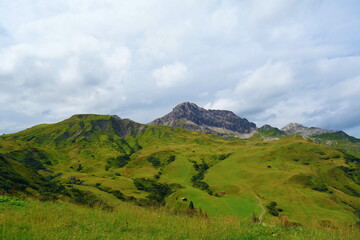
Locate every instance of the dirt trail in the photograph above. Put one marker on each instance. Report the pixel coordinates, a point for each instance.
(262, 207)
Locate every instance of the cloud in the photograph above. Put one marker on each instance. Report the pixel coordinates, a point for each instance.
(280, 93)
(66, 78)
(272, 62)
(170, 75)
(259, 90)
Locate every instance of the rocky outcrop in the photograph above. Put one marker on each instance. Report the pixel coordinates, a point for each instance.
(227, 124)
(220, 122)
(304, 131)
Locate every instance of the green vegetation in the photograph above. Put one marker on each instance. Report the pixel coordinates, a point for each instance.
(39, 220)
(273, 210)
(6, 201)
(352, 173)
(101, 160)
(158, 191)
(191, 205)
(318, 185)
(340, 135)
(154, 161)
(117, 162)
(350, 157)
(197, 179)
(271, 132)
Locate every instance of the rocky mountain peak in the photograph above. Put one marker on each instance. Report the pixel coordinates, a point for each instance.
(186, 106)
(293, 128)
(304, 131)
(192, 117)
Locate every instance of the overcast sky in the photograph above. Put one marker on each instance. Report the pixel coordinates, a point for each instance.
(270, 61)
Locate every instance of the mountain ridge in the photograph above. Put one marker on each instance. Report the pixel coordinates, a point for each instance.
(192, 117)
(151, 165)
(227, 124)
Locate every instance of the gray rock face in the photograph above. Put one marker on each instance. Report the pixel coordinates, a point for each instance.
(221, 122)
(304, 131)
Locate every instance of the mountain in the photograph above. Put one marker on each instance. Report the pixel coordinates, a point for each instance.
(92, 159)
(314, 132)
(337, 139)
(220, 122)
(269, 132)
(304, 131)
(226, 124)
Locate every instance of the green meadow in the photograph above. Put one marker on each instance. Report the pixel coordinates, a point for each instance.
(140, 174)
(32, 219)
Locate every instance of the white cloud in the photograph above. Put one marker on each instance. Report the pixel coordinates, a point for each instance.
(269, 80)
(273, 61)
(225, 19)
(170, 75)
(259, 90)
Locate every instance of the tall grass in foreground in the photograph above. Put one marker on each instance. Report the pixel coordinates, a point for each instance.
(45, 220)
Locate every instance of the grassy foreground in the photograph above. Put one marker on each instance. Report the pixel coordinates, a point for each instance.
(45, 220)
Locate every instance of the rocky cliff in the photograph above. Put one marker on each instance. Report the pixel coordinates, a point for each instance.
(221, 122)
(304, 131)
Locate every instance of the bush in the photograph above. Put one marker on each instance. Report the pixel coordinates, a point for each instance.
(191, 205)
(223, 156)
(6, 201)
(79, 168)
(118, 195)
(196, 179)
(201, 185)
(352, 173)
(117, 162)
(273, 210)
(10, 180)
(318, 185)
(158, 191)
(154, 161)
(171, 159)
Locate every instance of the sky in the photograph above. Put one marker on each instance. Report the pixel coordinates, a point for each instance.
(273, 61)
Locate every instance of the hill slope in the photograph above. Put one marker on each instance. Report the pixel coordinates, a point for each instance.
(119, 160)
(337, 139)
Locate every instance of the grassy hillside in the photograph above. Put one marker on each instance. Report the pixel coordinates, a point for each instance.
(271, 132)
(40, 220)
(297, 181)
(347, 144)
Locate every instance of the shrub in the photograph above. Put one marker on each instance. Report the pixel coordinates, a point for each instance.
(171, 159)
(273, 210)
(191, 205)
(196, 179)
(117, 162)
(79, 168)
(318, 185)
(154, 161)
(158, 191)
(223, 156)
(118, 194)
(352, 173)
(6, 201)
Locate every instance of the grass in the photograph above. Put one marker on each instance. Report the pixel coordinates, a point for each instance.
(6, 201)
(277, 171)
(44, 220)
